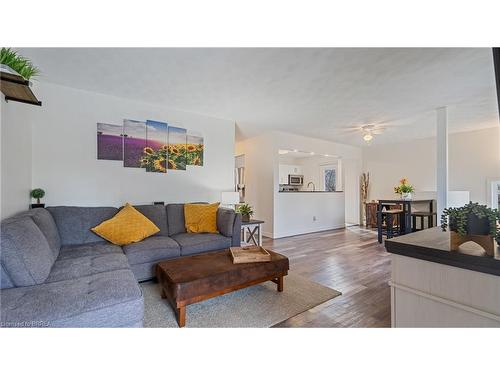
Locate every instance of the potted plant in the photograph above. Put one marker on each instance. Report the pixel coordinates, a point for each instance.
(472, 220)
(405, 189)
(17, 63)
(246, 211)
(37, 194)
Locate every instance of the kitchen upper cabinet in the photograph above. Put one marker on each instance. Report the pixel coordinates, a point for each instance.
(287, 169)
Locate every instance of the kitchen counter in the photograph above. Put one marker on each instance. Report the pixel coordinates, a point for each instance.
(433, 245)
(432, 286)
(300, 212)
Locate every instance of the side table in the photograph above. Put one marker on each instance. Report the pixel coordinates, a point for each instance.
(251, 232)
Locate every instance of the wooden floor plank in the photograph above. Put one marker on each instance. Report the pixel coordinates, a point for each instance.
(349, 260)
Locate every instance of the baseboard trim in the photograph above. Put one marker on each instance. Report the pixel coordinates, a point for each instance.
(284, 235)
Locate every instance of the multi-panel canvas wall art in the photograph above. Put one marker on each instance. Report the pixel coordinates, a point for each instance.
(177, 138)
(155, 155)
(109, 142)
(153, 145)
(194, 150)
(134, 142)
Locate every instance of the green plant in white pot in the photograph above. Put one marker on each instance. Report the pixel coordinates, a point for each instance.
(245, 210)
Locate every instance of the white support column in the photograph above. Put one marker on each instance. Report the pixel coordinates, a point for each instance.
(442, 159)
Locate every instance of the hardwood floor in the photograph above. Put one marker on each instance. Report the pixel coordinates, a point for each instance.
(349, 260)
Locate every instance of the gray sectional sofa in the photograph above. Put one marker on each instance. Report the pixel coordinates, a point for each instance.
(56, 272)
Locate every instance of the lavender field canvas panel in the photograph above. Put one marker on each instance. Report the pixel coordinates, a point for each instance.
(177, 138)
(155, 155)
(194, 150)
(109, 142)
(134, 143)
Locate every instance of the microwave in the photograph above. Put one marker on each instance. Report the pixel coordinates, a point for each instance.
(295, 180)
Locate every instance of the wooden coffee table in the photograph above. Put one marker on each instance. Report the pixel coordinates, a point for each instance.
(192, 279)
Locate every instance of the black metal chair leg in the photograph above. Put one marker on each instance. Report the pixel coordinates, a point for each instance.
(379, 226)
(389, 226)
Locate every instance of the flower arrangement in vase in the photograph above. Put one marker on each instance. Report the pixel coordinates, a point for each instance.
(405, 189)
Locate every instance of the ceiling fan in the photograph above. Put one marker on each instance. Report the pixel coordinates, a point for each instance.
(367, 131)
(370, 130)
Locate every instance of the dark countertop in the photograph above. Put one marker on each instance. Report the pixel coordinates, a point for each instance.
(310, 191)
(433, 245)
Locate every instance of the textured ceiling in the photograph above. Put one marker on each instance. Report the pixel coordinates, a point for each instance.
(315, 92)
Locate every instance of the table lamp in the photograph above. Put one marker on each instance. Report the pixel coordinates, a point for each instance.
(230, 198)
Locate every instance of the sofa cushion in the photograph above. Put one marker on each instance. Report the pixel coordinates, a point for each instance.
(144, 271)
(201, 218)
(175, 218)
(152, 249)
(157, 214)
(74, 223)
(85, 250)
(225, 221)
(194, 243)
(126, 227)
(44, 220)
(5, 280)
(72, 268)
(26, 257)
(110, 299)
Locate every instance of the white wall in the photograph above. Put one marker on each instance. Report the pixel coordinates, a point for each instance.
(16, 129)
(64, 153)
(352, 170)
(259, 177)
(473, 158)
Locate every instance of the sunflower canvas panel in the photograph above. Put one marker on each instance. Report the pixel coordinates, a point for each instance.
(134, 143)
(194, 150)
(177, 138)
(155, 154)
(109, 142)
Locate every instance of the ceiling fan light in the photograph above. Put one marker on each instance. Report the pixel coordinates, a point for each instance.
(367, 137)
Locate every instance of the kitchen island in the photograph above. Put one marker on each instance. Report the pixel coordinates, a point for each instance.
(432, 286)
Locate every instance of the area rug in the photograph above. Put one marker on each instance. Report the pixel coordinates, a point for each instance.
(258, 306)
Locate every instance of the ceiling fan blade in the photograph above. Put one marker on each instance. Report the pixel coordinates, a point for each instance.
(347, 130)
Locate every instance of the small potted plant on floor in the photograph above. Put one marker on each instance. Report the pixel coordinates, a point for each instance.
(37, 194)
(246, 212)
(472, 222)
(405, 189)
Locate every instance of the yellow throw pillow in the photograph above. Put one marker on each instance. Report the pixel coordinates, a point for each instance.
(127, 226)
(201, 218)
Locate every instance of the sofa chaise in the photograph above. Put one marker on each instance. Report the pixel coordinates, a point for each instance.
(56, 272)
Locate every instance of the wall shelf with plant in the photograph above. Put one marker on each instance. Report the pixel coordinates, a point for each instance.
(16, 72)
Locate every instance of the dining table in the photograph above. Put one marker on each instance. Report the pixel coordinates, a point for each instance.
(406, 206)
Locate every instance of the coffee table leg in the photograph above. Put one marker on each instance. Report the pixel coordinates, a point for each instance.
(280, 283)
(163, 295)
(181, 316)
